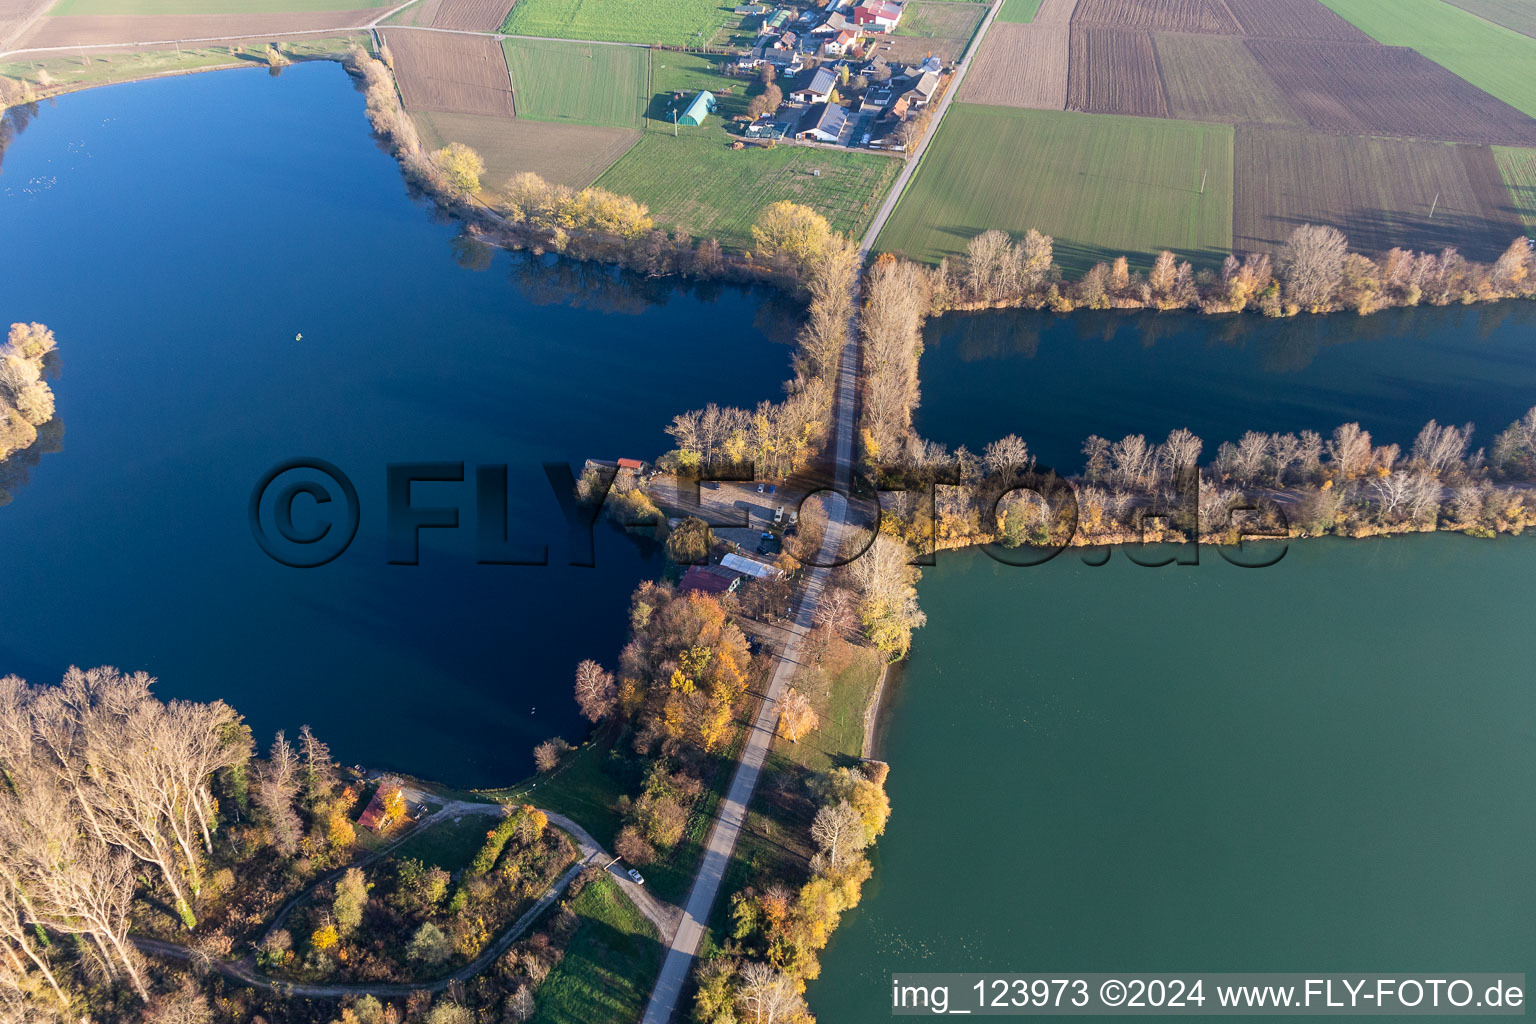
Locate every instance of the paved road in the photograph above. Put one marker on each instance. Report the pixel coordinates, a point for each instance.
(733, 810)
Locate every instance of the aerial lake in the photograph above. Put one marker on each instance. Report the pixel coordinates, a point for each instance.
(178, 236)
(1326, 765)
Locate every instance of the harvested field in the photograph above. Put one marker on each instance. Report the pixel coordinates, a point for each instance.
(1292, 19)
(1114, 72)
(1055, 12)
(1495, 59)
(1215, 78)
(472, 15)
(1020, 66)
(1519, 15)
(1518, 167)
(14, 14)
(438, 71)
(578, 83)
(85, 30)
(942, 19)
(1158, 15)
(1379, 192)
(912, 49)
(1387, 90)
(1102, 186)
(571, 155)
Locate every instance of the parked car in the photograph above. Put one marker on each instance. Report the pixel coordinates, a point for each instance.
(635, 876)
(778, 514)
(759, 488)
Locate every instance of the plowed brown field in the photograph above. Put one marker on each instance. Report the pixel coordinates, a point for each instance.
(85, 29)
(1020, 65)
(1293, 19)
(1114, 72)
(439, 71)
(1158, 15)
(1387, 90)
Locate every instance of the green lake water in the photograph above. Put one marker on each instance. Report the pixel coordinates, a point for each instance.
(1327, 765)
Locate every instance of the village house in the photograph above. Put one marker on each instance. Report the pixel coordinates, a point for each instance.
(823, 123)
(923, 89)
(386, 808)
(819, 89)
(834, 24)
(844, 41)
(878, 15)
(710, 579)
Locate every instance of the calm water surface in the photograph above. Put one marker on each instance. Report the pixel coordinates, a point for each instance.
(1326, 765)
(178, 235)
(1054, 380)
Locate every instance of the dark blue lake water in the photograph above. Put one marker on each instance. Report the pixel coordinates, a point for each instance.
(178, 235)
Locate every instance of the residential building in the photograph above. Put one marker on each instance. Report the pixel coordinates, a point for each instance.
(878, 15)
(818, 89)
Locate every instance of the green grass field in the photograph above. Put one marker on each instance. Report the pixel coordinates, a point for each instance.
(1518, 168)
(577, 83)
(839, 689)
(448, 844)
(1018, 10)
(1495, 59)
(675, 72)
(581, 790)
(610, 965)
(699, 183)
(80, 69)
(64, 7)
(669, 22)
(1103, 186)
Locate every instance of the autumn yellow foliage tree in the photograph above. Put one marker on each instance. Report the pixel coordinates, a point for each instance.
(461, 168)
(796, 717)
(789, 231)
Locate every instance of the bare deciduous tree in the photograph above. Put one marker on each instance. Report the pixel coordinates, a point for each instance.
(596, 693)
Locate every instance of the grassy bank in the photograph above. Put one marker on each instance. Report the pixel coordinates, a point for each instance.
(610, 965)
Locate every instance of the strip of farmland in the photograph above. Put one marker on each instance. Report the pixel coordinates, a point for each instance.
(1114, 72)
(1020, 65)
(1158, 15)
(1215, 78)
(472, 15)
(578, 83)
(1518, 166)
(91, 29)
(1293, 19)
(1387, 90)
(1102, 186)
(1519, 15)
(1495, 59)
(573, 155)
(1380, 192)
(448, 73)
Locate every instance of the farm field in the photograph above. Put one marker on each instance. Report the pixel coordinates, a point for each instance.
(1114, 72)
(1018, 11)
(98, 29)
(1387, 90)
(448, 73)
(1020, 66)
(171, 7)
(1103, 186)
(669, 22)
(1158, 15)
(1519, 15)
(461, 15)
(568, 154)
(698, 183)
(1518, 167)
(1379, 192)
(942, 19)
(1292, 19)
(1495, 59)
(578, 83)
(1216, 78)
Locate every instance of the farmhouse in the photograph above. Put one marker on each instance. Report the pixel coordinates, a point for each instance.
(818, 89)
(834, 24)
(751, 567)
(776, 21)
(823, 123)
(923, 89)
(386, 807)
(698, 109)
(879, 15)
